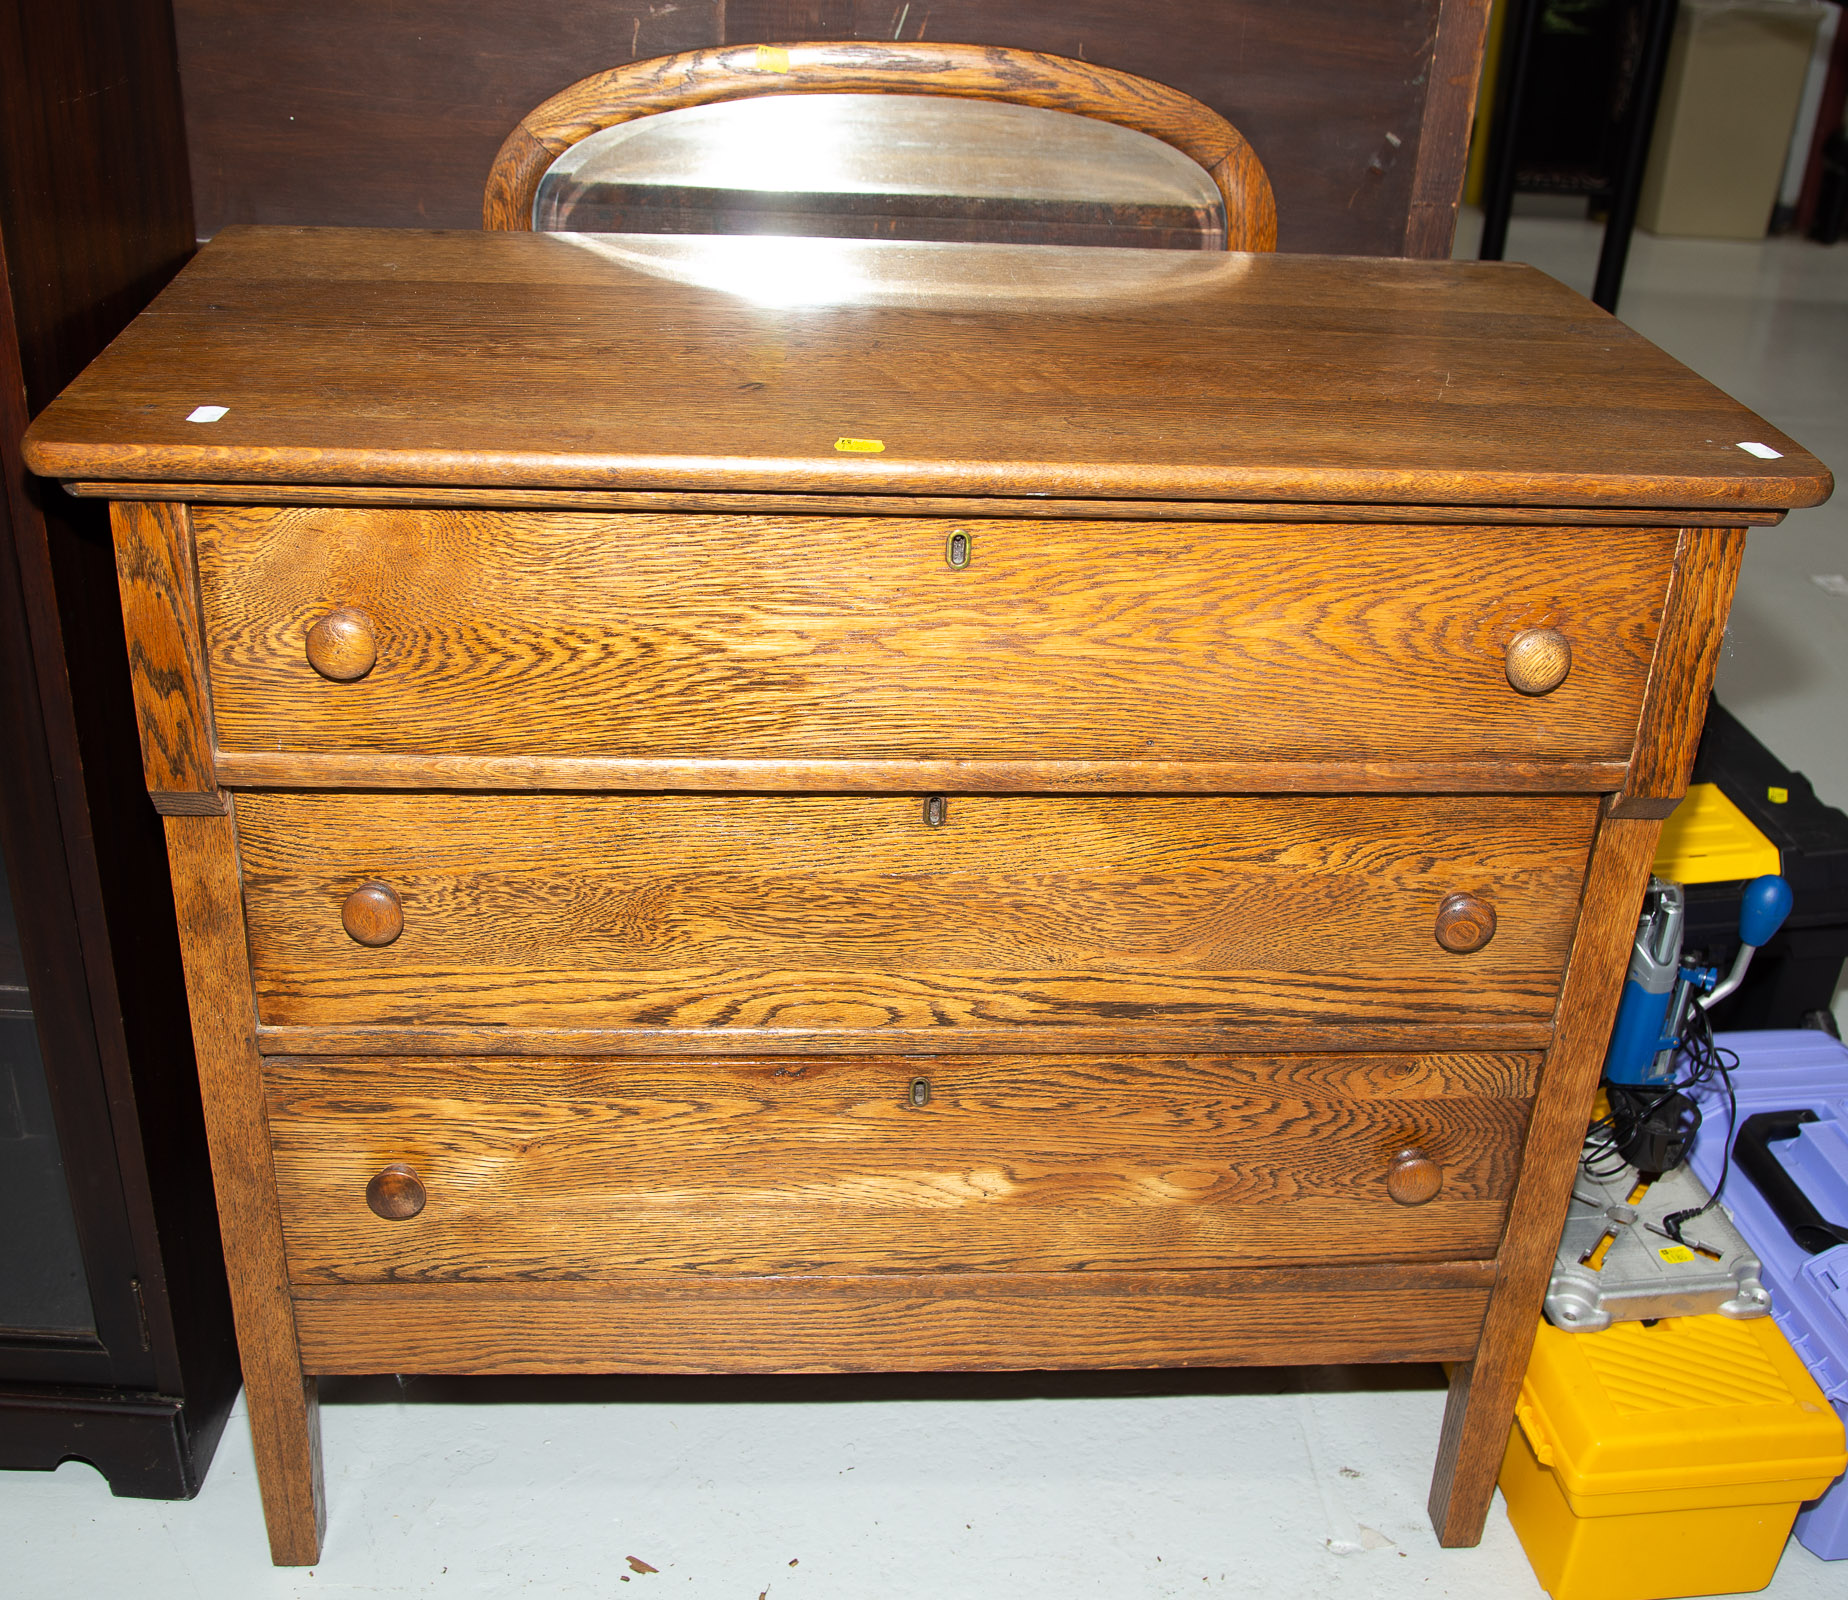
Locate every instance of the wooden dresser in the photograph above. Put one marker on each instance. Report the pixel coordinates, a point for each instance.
(893, 809)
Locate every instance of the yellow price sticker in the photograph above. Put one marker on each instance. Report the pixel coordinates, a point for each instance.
(860, 447)
(771, 59)
(1675, 1254)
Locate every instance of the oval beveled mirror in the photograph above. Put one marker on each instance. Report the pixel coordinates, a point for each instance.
(884, 166)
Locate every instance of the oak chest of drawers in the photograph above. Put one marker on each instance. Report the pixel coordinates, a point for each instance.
(975, 829)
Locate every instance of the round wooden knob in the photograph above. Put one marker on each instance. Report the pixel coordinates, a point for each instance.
(373, 914)
(343, 645)
(1465, 923)
(1411, 1179)
(397, 1193)
(1538, 660)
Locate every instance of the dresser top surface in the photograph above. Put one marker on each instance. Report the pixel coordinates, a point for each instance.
(416, 357)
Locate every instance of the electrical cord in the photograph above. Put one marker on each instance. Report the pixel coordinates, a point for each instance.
(1706, 1059)
(1650, 1126)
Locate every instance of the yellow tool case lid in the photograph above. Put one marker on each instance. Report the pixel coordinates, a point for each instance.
(1708, 839)
(1691, 1404)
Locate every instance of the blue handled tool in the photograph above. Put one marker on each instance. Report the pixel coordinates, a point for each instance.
(1660, 987)
(1648, 988)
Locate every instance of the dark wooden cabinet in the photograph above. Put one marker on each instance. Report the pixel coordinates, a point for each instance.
(115, 1330)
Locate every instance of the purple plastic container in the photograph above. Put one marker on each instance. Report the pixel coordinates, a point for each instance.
(1796, 1070)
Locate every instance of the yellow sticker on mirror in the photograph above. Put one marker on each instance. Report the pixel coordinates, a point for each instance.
(771, 59)
(1675, 1254)
(863, 447)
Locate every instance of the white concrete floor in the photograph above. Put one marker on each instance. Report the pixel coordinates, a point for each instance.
(1297, 1485)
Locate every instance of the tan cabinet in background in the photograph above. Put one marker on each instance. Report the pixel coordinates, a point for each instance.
(1729, 100)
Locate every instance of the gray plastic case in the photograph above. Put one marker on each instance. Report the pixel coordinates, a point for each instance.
(1636, 1282)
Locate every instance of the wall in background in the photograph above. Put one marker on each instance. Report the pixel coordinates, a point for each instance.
(348, 112)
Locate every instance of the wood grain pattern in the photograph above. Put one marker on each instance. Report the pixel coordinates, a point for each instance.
(1483, 1390)
(285, 1427)
(1057, 83)
(1306, 1030)
(1465, 923)
(347, 770)
(341, 645)
(166, 654)
(1681, 676)
(1538, 660)
(379, 356)
(395, 1193)
(191, 803)
(1413, 1178)
(959, 506)
(601, 1169)
(959, 1322)
(797, 913)
(1450, 105)
(763, 638)
(372, 914)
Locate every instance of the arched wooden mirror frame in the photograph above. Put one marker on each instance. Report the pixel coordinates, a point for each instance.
(967, 71)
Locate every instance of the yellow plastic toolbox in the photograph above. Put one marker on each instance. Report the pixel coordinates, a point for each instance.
(1708, 839)
(1649, 1462)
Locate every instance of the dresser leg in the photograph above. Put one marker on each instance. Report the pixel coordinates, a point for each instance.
(1483, 1391)
(1476, 1424)
(285, 1428)
(285, 1434)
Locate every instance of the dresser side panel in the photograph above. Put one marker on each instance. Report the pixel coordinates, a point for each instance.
(1483, 1390)
(285, 1428)
(1687, 654)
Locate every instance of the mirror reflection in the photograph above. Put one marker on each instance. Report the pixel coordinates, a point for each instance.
(884, 166)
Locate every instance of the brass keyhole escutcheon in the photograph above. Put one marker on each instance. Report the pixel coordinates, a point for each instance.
(343, 645)
(919, 1093)
(936, 811)
(959, 549)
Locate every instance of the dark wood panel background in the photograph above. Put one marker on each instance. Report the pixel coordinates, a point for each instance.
(94, 220)
(348, 112)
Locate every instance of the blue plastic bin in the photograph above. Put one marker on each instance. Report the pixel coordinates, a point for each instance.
(1789, 1071)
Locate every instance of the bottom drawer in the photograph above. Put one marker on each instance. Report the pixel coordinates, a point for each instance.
(604, 1168)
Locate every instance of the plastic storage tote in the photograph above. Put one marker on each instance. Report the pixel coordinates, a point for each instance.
(1797, 1070)
(1650, 1462)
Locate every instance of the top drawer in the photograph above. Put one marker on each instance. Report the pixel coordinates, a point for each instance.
(782, 637)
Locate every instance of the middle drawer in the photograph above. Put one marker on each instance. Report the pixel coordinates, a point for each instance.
(732, 921)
